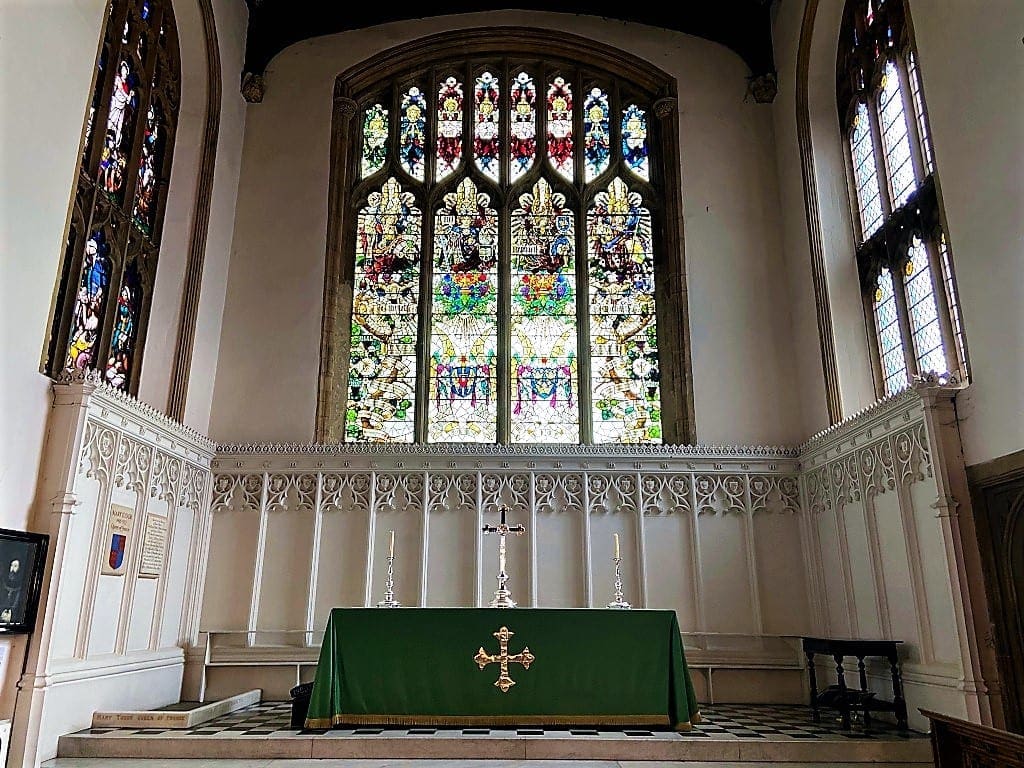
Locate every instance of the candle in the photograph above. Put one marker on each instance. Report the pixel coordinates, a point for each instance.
(616, 546)
(391, 545)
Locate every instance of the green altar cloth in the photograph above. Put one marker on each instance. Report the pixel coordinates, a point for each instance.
(417, 666)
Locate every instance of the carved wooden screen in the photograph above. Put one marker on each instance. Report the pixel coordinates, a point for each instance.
(105, 285)
(903, 255)
(505, 225)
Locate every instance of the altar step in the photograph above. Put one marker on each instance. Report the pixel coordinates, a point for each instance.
(736, 733)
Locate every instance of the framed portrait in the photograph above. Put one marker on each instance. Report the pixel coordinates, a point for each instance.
(22, 560)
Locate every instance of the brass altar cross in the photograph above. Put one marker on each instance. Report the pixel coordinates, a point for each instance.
(502, 596)
(482, 658)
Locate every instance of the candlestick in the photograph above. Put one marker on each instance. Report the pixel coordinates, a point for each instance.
(389, 600)
(619, 601)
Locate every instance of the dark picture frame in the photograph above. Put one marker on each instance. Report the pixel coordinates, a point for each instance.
(22, 562)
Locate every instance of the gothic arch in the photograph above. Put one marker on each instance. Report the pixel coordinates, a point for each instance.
(354, 83)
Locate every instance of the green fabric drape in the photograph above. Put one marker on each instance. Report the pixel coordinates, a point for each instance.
(404, 666)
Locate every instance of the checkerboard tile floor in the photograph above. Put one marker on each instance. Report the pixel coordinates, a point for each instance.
(770, 722)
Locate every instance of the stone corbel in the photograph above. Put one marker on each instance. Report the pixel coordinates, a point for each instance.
(253, 87)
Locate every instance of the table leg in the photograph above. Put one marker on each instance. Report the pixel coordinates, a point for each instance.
(844, 703)
(815, 714)
(898, 701)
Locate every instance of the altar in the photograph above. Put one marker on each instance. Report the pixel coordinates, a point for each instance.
(486, 667)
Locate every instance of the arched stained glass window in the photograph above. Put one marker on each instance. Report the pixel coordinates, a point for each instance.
(503, 283)
(903, 258)
(105, 285)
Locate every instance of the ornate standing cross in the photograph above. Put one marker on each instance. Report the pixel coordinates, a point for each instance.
(502, 597)
(483, 658)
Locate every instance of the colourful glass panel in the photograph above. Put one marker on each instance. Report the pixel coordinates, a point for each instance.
(895, 138)
(623, 331)
(90, 304)
(463, 333)
(150, 164)
(382, 377)
(375, 139)
(925, 330)
(596, 135)
(523, 139)
(954, 303)
(862, 151)
(412, 140)
(101, 67)
(126, 328)
(545, 407)
(560, 137)
(449, 128)
(634, 141)
(117, 141)
(486, 137)
(890, 337)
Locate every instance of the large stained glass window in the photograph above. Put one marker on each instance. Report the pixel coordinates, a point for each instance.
(903, 257)
(500, 294)
(105, 284)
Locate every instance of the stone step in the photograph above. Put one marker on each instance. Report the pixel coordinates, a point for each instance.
(176, 718)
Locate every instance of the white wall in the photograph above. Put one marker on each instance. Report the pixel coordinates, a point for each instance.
(973, 76)
(740, 327)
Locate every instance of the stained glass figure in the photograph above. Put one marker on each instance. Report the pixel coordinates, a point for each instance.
(87, 317)
(150, 163)
(126, 328)
(486, 137)
(596, 136)
(625, 378)
(463, 332)
(94, 104)
(523, 138)
(449, 127)
(634, 141)
(560, 127)
(382, 378)
(375, 139)
(545, 406)
(117, 143)
(412, 140)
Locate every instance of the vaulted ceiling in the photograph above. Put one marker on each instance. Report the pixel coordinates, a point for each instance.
(742, 25)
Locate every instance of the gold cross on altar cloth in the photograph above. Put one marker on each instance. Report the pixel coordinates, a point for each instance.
(482, 658)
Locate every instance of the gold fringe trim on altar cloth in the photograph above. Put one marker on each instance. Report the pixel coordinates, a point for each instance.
(319, 723)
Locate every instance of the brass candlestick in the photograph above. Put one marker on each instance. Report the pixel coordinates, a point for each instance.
(619, 601)
(389, 600)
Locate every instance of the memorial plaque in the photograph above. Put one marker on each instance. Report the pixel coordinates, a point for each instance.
(154, 547)
(119, 532)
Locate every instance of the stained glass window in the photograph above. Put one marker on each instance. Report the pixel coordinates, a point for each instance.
(112, 249)
(890, 338)
(463, 334)
(634, 140)
(486, 136)
(126, 328)
(523, 131)
(375, 139)
(449, 127)
(90, 304)
(560, 127)
(466, 325)
(149, 170)
(894, 137)
(881, 103)
(385, 306)
(923, 311)
(597, 147)
(545, 407)
(623, 332)
(412, 141)
(869, 200)
(120, 129)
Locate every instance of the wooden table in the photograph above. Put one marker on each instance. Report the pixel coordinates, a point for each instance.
(840, 648)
